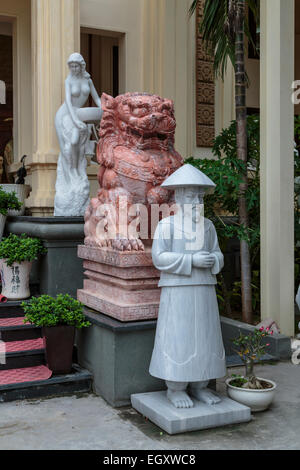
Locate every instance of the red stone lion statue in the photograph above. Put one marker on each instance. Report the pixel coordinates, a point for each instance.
(136, 154)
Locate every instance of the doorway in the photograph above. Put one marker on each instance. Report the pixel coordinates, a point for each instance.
(6, 103)
(101, 52)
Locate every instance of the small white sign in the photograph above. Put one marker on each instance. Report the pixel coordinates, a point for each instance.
(2, 353)
(2, 92)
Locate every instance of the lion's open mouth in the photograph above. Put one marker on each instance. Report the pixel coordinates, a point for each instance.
(148, 135)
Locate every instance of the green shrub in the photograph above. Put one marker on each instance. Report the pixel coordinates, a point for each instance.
(49, 311)
(226, 171)
(16, 249)
(8, 201)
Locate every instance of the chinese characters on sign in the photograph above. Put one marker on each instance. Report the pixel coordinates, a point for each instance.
(15, 279)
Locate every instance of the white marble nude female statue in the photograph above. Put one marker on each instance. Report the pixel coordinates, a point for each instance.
(73, 132)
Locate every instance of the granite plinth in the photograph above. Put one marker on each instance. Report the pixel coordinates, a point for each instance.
(122, 285)
(157, 408)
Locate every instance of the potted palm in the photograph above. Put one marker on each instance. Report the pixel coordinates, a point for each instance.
(252, 391)
(58, 318)
(16, 256)
(8, 201)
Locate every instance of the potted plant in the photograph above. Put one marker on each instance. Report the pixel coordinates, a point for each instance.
(252, 391)
(20, 189)
(58, 318)
(7, 201)
(16, 256)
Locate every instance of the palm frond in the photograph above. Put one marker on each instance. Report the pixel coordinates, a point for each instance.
(217, 30)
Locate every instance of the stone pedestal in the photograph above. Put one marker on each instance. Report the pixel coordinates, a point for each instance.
(122, 285)
(118, 355)
(157, 408)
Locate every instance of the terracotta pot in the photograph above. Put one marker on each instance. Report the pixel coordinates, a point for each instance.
(58, 343)
(15, 280)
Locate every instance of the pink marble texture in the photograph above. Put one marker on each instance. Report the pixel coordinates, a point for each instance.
(136, 154)
(123, 285)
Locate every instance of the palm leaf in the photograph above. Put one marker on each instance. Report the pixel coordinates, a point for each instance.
(212, 28)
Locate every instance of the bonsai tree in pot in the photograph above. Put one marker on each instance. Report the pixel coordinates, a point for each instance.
(16, 256)
(255, 392)
(58, 318)
(8, 201)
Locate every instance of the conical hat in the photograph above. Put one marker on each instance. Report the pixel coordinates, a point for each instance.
(187, 176)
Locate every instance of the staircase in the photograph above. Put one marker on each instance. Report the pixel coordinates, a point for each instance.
(25, 373)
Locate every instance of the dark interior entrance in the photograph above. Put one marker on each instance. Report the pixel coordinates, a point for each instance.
(6, 108)
(101, 53)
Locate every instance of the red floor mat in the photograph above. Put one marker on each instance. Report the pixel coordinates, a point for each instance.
(18, 321)
(28, 374)
(28, 345)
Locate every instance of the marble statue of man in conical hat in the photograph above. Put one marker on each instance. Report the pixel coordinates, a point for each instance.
(188, 350)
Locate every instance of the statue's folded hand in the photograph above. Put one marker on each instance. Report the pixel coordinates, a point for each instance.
(81, 125)
(203, 259)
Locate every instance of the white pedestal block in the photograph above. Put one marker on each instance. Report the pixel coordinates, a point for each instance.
(157, 408)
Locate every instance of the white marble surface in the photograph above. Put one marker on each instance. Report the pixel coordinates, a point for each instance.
(73, 132)
(188, 343)
(156, 407)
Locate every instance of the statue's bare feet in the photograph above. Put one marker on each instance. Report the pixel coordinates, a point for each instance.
(179, 399)
(205, 395)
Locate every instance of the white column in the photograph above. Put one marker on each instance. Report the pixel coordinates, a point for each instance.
(55, 35)
(277, 186)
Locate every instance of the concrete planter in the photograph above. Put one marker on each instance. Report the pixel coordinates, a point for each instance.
(2, 225)
(257, 400)
(22, 192)
(15, 280)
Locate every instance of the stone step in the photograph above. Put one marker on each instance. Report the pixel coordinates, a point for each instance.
(11, 309)
(14, 329)
(23, 375)
(37, 382)
(22, 354)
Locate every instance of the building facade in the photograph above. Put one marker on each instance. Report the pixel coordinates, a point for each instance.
(153, 46)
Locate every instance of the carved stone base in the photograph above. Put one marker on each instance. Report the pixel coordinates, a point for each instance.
(122, 285)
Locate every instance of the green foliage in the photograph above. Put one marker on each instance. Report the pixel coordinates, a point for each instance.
(15, 249)
(214, 28)
(8, 201)
(227, 172)
(252, 347)
(236, 292)
(238, 381)
(49, 311)
(297, 202)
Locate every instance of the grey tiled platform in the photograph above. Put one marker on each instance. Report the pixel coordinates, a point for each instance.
(156, 407)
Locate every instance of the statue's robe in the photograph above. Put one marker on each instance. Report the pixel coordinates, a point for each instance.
(188, 343)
